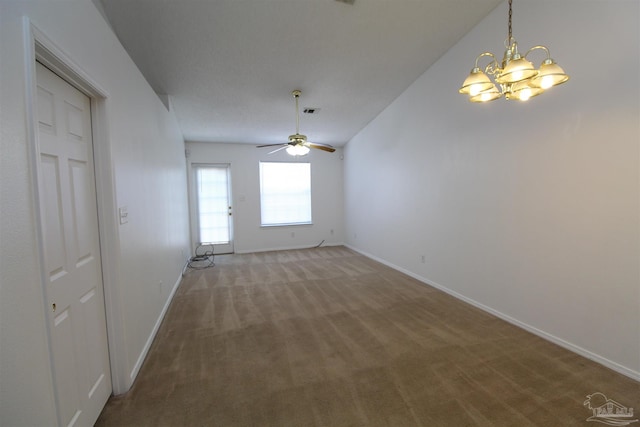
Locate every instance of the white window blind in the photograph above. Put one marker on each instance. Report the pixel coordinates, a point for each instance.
(213, 204)
(285, 193)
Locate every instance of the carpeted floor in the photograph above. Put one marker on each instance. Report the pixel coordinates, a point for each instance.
(327, 337)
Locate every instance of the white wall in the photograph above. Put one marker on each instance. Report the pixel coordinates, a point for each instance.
(326, 196)
(148, 176)
(528, 209)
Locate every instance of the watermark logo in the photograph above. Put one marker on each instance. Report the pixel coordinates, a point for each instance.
(607, 411)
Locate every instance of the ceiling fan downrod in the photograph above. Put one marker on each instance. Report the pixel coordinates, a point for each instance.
(297, 138)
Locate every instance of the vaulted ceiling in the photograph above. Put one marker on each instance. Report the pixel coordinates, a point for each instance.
(229, 66)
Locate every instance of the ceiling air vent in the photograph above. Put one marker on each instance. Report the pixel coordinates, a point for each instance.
(346, 1)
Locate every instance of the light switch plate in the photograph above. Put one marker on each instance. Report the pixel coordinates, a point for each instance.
(124, 215)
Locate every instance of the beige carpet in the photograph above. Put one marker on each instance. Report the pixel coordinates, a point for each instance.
(327, 337)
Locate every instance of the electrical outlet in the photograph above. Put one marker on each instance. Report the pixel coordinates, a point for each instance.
(160, 286)
(423, 259)
(331, 231)
(293, 234)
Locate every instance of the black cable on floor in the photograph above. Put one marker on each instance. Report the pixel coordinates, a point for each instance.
(202, 259)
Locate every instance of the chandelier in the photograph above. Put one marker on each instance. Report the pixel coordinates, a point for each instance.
(515, 75)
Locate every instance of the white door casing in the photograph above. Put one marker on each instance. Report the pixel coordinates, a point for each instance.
(73, 276)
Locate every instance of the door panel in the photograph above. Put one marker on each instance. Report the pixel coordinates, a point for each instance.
(81, 202)
(52, 217)
(71, 251)
(65, 366)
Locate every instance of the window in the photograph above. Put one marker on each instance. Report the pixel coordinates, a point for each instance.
(285, 193)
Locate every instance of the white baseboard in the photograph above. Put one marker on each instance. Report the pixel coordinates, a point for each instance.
(635, 375)
(152, 335)
(286, 248)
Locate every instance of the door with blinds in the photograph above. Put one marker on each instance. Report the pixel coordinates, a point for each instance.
(213, 216)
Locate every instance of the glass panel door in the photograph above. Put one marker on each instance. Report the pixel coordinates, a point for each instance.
(213, 205)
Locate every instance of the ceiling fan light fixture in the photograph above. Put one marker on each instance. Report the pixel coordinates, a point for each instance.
(297, 150)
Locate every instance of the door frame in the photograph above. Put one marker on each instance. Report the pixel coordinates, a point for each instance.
(38, 46)
(193, 203)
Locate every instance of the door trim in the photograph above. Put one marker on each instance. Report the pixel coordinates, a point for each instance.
(37, 46)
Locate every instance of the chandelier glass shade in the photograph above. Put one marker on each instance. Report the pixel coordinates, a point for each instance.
(515, 77)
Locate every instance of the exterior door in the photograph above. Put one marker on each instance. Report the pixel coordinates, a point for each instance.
(72, 268)
(213, 222)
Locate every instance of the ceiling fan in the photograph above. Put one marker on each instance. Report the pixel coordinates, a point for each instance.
(298, 144)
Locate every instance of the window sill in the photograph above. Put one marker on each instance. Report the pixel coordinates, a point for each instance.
(295, 224)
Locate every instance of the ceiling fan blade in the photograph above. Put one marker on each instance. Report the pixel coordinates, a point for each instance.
(278, 149)
(272, 145)
(325, 147)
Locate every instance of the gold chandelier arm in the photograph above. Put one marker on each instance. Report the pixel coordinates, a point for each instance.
(490, 68)
(508, 43)
(538, 47)
(484, 54)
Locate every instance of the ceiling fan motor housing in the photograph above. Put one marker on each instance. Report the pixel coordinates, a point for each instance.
(297, 139)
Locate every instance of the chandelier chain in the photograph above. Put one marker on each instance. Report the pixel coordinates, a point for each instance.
(510, 30)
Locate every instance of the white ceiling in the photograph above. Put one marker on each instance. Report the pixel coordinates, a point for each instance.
(229, 66)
